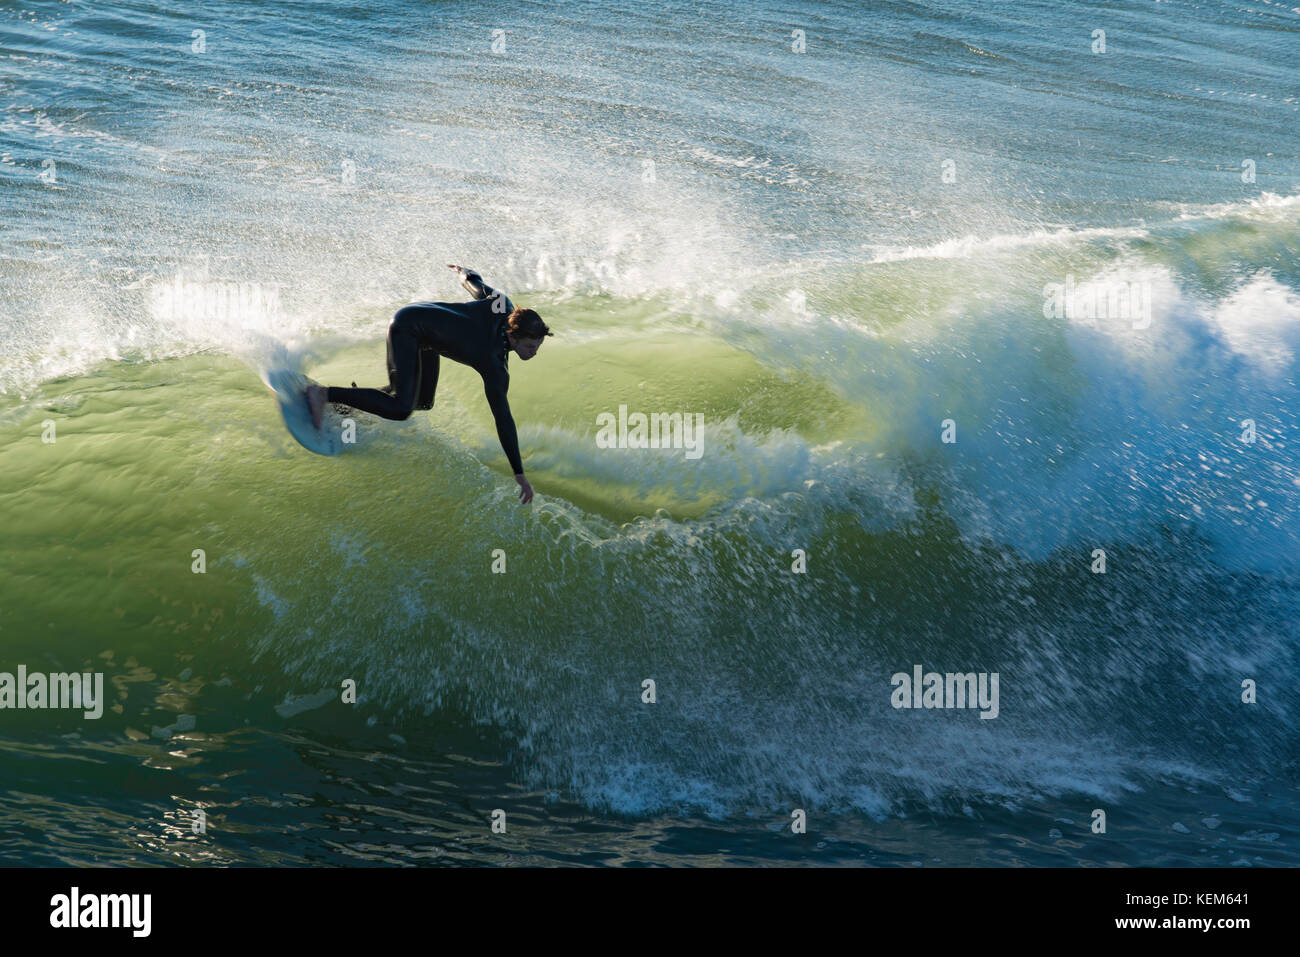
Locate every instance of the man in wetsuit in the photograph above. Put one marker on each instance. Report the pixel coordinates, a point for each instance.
(480, 334)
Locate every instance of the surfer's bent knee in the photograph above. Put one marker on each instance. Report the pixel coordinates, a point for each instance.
(403, 317)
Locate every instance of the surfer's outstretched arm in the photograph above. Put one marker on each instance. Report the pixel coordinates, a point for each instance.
(475, 285)
(477, 288)
(506, 432)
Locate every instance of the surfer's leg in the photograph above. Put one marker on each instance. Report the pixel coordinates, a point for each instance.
(391, 388)
(404, 380)
(429, 364)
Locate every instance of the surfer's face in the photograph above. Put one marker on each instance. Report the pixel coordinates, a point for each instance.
(526, 348)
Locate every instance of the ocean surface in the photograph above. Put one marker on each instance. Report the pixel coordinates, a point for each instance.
(831, 230)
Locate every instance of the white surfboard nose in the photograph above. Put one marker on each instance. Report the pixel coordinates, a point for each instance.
(290, 390)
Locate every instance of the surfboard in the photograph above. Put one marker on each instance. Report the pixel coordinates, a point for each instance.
(290, 389)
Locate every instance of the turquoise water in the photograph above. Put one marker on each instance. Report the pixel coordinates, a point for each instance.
(826, 254)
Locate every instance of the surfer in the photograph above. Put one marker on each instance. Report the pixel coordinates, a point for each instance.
(479, 334)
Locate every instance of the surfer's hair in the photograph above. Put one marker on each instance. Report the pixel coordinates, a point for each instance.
(526, 324)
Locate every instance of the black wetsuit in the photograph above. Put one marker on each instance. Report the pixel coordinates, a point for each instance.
(470, 332)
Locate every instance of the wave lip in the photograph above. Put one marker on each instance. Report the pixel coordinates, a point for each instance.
(972, 246)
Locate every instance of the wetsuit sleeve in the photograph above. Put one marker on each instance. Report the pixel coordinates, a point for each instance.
(495, 390)
(477, 288)
(475, 285)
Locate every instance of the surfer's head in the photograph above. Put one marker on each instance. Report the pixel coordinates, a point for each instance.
(525, 332)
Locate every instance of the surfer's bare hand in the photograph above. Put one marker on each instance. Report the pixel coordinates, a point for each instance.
(458, 269)
(525, 490)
